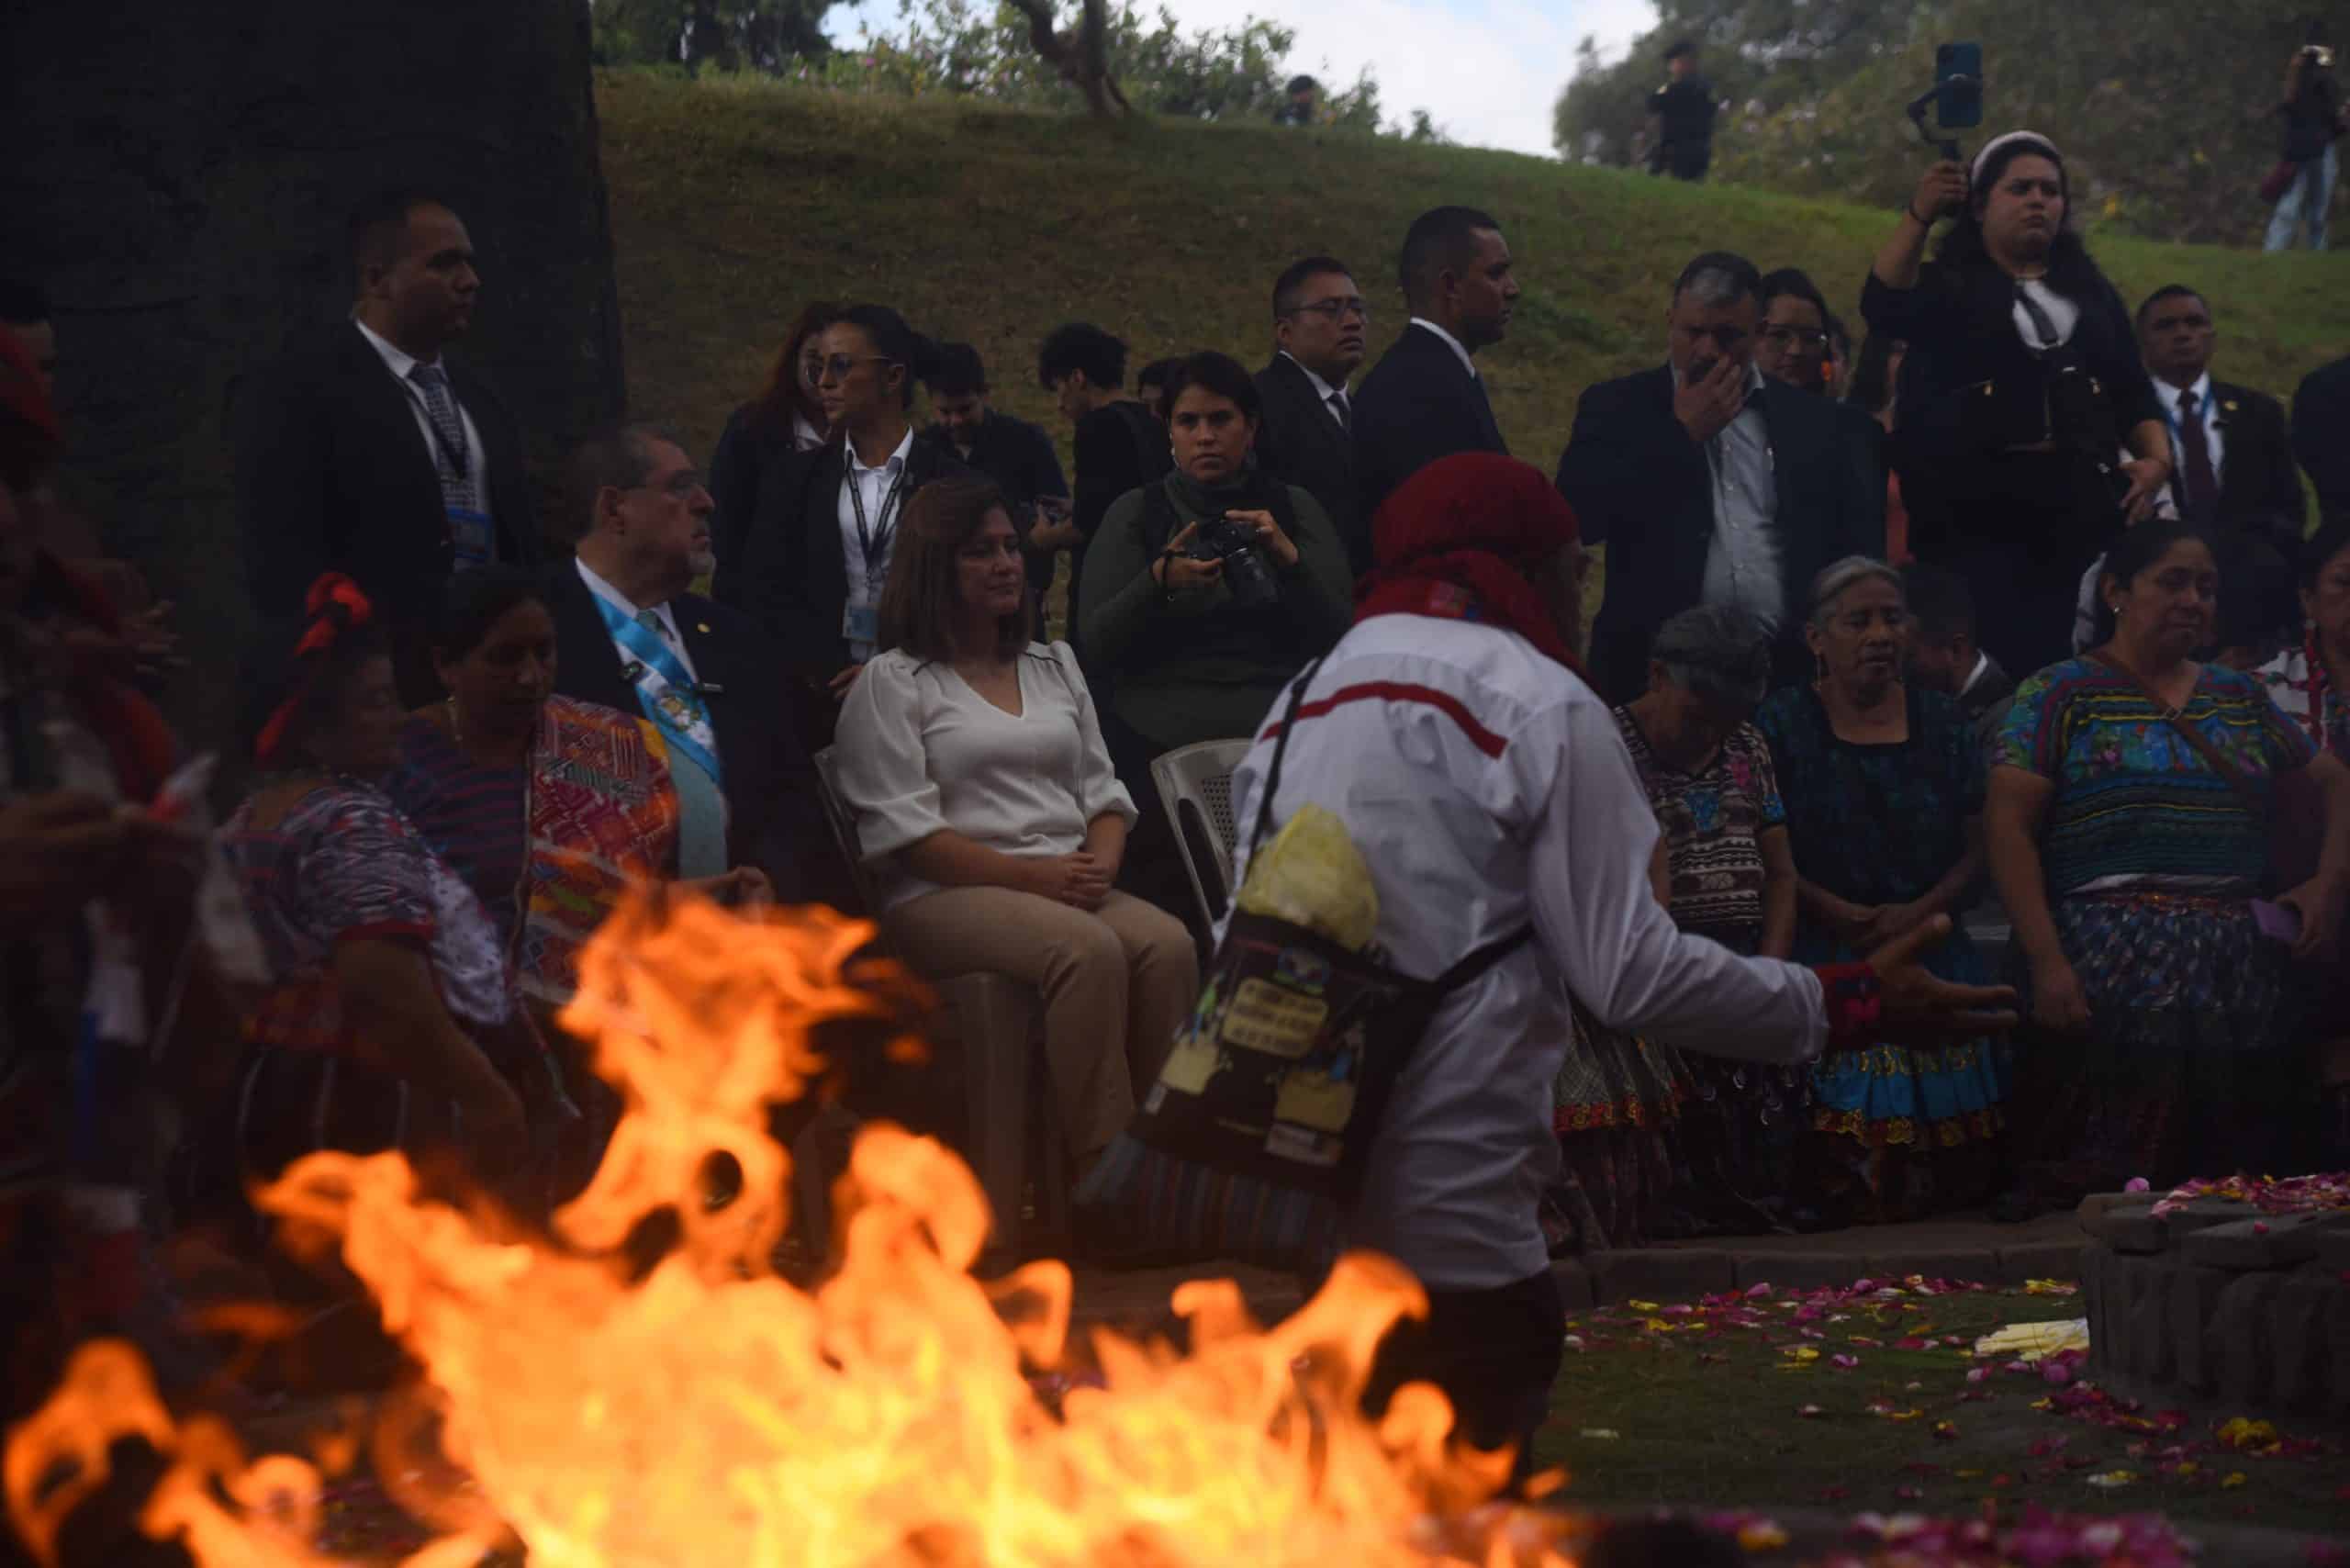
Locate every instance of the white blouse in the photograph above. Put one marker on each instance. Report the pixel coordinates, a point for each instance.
(920, 751)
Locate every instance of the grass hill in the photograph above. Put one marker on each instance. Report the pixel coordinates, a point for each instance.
(735, 201)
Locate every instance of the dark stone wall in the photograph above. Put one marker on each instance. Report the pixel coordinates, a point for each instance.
(176, 176)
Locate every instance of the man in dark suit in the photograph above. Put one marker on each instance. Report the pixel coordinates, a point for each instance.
(1017, 455)
(1119, 444)
(2234, 456)
(1944, 654)
(2322, 435)
(1424, 400)
(368, 450)
(630, 636)
(1710, 483)
(1306, 437)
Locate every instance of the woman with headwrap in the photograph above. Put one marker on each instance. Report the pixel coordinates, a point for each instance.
(1489, 790)
(2020, 387)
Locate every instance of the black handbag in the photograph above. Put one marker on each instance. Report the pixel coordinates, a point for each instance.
(1254, 1140)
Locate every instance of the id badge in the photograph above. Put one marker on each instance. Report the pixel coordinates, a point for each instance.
(861, 624)
(472, 537)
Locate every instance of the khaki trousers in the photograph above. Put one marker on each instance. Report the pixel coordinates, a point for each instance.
(1117, 983)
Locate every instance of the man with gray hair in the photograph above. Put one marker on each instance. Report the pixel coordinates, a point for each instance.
(1708, 485)
(630, 633)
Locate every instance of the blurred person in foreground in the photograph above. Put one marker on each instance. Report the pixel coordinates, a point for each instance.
(1487, 789)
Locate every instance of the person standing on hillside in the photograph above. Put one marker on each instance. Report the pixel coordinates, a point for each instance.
(1681, 118)
(1120, 445)
(367, 450)
(2314, 113)
(1424, 400)
(1320, 323)
(1301, 106)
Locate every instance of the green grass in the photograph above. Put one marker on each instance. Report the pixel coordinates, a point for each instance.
(735, 201)
(1711, 1419)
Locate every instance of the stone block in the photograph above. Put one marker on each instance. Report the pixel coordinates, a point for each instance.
(1975, 1265)
(2203, 1214)
(2338, 1354)
(2132, 1230)
(2094, 1208)
(2039, 1261)
(1658, 1273)
(1573, 1279)
(2191, 1296)
(2241, 1339)
(2300, 1348)
(2268, 1242)
(2151, 1354)
(1797, 1271)
(2330, 1242)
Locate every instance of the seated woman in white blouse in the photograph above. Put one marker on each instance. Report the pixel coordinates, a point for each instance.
(984, 796)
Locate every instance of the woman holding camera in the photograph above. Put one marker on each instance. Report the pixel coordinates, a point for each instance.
(2021, 388)
(1206, 591)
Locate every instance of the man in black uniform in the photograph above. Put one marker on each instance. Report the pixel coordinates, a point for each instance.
(1681, 118)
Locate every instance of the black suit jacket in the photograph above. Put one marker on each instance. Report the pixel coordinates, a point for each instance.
(2260, 489)
(1300, 444)
(775, 822)
(1419, 403)
(792, 578)
(1642, 487)
(332, 475)
(2322, 435)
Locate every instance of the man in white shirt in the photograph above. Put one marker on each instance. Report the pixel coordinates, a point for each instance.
(1489, 790)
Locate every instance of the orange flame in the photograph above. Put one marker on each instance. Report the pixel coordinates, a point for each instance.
(712, 1413)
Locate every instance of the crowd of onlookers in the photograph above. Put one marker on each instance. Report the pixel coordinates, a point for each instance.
(2012, 616)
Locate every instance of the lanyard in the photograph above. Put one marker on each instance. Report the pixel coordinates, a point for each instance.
(874, 544)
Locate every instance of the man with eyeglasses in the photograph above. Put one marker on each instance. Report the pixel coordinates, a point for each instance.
(631, 634)
(1711, 483)
(1321, 327)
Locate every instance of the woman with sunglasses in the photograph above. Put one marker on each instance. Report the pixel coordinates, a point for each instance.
(818, 550)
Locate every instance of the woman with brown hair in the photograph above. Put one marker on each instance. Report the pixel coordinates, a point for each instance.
(784, 419)
(973, 761)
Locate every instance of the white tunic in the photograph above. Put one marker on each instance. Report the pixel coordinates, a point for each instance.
(919, 751)
(1487, 787)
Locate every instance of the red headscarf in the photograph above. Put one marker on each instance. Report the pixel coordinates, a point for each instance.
(1460, 538)
(333, 607)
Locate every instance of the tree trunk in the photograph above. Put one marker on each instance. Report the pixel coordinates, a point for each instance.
(1082, 58)
(178, 181)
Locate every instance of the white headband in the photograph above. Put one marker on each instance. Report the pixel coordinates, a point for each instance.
(1975, 174)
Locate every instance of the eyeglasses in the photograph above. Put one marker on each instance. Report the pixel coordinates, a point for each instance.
(1334, 310)
(1797, 337)
(678, 486)
(837, 367)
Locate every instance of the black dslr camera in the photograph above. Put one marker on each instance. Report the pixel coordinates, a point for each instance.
(1245, 571)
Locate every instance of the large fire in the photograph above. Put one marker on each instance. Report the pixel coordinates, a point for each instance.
(711, 1412)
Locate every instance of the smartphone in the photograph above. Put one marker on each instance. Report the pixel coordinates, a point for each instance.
(2276, 921)
(1958, 86)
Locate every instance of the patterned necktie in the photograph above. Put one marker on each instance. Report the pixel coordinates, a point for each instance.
(1346, 415)
(2202, 484)
(447, 422)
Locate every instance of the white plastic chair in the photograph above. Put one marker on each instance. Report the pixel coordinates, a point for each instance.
(996, 1023)
(1194, 784)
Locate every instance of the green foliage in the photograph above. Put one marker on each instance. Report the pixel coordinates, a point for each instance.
(757, 34)
(2162, 120)
(983, 50)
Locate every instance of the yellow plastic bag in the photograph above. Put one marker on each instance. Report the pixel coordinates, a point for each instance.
(1311, 875)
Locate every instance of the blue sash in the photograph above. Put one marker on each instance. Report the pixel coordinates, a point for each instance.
(664, 690)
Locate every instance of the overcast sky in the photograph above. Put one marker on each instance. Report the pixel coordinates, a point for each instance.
(1487, 70)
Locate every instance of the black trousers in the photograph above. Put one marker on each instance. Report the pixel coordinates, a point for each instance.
(2021, 528)
(1495, 1353)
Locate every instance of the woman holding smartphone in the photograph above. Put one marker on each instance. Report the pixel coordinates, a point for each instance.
(2130, 802)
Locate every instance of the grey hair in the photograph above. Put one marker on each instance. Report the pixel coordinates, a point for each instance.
(1719, 652)
(1716, 286)
(1841, 577)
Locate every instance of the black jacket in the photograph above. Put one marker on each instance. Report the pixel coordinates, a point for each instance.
(792, 578)
(332, 473)
(1017, 455)
(1300, 444)
(775, 823)
(1419, 403)
(2322, 435)
(2260, 489)
(1642, 487)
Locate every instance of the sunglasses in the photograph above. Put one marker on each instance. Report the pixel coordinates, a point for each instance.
(836, 368)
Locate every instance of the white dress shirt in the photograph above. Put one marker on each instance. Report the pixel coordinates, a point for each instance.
(1982, 664)
(2214, 437)
(1323, 389)
(920, 751)
(874, 486)
(671, 632)
(1451, 342)
(1743, 562)
(399, 361)
(2062, 313)
(1488, 788)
